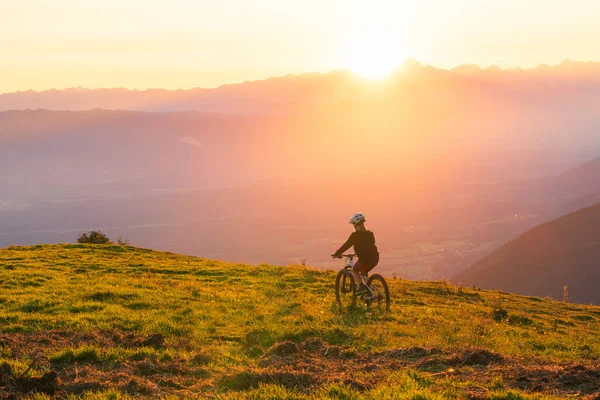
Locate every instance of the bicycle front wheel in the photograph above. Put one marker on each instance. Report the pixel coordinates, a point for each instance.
(381, 292)
(345, 288)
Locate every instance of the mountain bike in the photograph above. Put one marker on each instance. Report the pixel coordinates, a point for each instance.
(378, 293)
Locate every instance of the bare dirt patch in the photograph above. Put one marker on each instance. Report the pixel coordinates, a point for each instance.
(148, 377)
(574, 378)
(305, 366)
(477, 357)
(47, 383)
(290, 379)
(329, 364)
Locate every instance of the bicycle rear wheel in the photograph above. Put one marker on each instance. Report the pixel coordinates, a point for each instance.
(381, 292)
(345, 289)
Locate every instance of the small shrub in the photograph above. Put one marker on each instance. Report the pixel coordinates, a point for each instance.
(121, 241)
(446, 287)
(93, 237)
(499, 313)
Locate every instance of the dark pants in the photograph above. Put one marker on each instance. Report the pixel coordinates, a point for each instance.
(362, 267)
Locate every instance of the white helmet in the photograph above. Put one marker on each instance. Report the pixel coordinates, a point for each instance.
(357, 218)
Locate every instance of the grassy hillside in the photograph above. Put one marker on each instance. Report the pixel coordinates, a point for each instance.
(113, 322)
(543, 260)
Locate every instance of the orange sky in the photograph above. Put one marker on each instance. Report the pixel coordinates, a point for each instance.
(205, 43)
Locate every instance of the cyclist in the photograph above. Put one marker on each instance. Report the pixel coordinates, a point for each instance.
(363, 241)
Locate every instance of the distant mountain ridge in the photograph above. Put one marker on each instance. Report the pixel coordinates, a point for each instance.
(458, 162)
(563, 252)
(318, 90)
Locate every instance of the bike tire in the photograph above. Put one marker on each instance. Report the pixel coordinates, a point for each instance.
(383, 297)
(344, 283)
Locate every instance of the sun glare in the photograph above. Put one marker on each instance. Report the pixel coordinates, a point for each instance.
(374, 54)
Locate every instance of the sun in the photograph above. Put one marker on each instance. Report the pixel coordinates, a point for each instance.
(373, 54)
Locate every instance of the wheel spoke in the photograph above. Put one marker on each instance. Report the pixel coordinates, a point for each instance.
(380, 291)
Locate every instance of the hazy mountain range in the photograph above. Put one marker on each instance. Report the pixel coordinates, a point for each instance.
(448, 165)
(271, 189)
(563, 252)
(549, 86)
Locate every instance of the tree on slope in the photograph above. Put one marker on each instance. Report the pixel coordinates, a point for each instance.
(93, 237)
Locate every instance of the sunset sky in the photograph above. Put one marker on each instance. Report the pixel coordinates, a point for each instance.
(205, 43)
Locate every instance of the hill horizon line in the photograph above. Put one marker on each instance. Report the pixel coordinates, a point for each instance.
(407, 66)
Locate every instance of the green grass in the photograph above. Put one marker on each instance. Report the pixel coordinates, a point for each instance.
(78, 304)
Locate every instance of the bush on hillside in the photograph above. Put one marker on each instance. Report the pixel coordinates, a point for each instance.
(93, 237)
(123, 241)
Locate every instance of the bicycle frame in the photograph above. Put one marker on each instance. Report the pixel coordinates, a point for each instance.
(349, 266)
(350, 263)
(373, 292)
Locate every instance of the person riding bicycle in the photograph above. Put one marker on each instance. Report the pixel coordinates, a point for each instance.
(363, 241)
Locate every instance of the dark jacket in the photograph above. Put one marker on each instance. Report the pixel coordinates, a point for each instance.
(364, 247)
